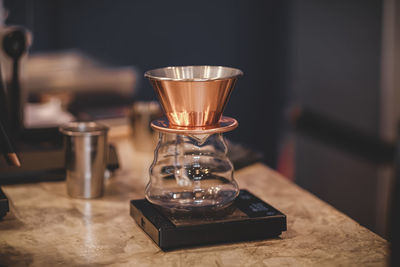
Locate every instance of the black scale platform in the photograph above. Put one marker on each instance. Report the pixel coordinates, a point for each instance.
(249, 218)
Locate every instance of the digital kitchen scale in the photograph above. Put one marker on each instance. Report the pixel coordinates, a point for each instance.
(248, 218)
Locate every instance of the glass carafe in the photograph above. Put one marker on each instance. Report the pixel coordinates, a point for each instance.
(191, 173)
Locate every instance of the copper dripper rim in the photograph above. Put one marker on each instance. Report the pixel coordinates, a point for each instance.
(161, 73)
(225, 124)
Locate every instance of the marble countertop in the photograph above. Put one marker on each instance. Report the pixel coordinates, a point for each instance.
(47, 228)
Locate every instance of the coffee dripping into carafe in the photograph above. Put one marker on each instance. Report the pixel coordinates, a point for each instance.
(191, 171)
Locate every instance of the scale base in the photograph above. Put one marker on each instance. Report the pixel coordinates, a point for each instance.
(249, 218)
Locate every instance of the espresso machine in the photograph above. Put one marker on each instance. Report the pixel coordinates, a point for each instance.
(192, 197)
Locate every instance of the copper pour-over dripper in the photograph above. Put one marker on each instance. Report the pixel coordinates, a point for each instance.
(193, 98)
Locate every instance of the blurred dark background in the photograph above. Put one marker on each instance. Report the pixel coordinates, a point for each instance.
(325, 56)
(248, 35)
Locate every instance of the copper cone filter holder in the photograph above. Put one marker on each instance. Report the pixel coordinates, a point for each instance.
(194, 98)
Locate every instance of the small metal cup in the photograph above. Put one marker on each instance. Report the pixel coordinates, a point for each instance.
(85, 158)
(142, 113)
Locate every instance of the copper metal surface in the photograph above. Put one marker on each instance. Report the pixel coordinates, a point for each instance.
(193, 96)
(14, 159)
(225, 124)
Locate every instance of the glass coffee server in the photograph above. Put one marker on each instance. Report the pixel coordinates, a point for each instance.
(191, 171)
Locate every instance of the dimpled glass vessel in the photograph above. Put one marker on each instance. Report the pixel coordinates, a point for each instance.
(191, 173)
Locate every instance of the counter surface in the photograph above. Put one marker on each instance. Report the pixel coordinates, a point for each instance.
(47, 228)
